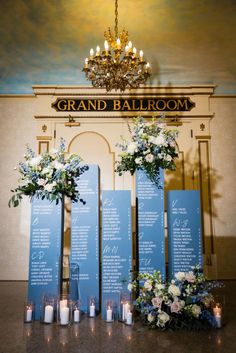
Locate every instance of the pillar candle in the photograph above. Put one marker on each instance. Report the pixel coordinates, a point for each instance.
(64, 316)
(129, 318)
(48, 314)
(92, 310)
(109, 314)
(76, 315)
(29, 314)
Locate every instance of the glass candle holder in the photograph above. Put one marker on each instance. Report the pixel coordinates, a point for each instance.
(76, 312)
(109, 311)
(28, 311)
(217, 312)
(64, 310)
(92, 307)
(125, 306)
(47, 310)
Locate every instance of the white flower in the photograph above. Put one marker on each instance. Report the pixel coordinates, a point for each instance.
(148, 285)
(196, 310)
(41, 182)
(58, 165)
(131, 148)
(150, 318)
(46, 170)
(159, 286)
(49, 187)
(163, 317)
(180, 276)
(190, 277)
(159, 140)
(156, 302)
(174, 290)
(130, 287)
(160, 155)
(138, 160)
(35, 161)
(149, 158)
(168, 158)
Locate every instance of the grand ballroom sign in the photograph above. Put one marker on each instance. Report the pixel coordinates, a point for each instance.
(124, 105)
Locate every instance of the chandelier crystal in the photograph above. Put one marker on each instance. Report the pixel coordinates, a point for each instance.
(118, 66)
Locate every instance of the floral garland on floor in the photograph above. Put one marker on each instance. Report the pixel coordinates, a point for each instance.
(152, 146)
(185, 302)
(48, 176)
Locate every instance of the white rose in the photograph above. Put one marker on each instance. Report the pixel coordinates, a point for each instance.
(150, 318)
(160, 140)
(156, 302)
(174, 290)
(49, 187)
(196, 310)
(131, 148)
(41, 182)
(149, 158)
(190, 277)
(168, 158)
(180, 276)
(138, 160)
(148, 285)
(162, 319)
(159, 286)
(160, 155)
(35, 161)
(58, 165)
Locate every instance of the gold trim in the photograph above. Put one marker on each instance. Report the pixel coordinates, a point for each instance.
(201, 180)
(44, 138)
(108, 145)
(202, 137)
(41, 143)
(72, 124)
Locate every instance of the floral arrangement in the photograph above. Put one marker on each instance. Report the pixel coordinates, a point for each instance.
(152, 146)
(48, 176)
(185, 302)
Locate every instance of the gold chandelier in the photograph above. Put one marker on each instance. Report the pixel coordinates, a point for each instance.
(118, 66)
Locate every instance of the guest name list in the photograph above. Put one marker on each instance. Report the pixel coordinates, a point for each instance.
(184, 227)
(45, 251)
(150, 224)
(85, 239)
(116, 244)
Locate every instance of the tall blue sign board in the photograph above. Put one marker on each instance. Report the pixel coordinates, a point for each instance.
(150, 224)
(184, 229)
(116, 244)
(84, 282)
(46, 232)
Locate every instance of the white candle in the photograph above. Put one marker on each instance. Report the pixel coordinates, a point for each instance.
(64, 316)
(109, 314)
(129, 318)
(92, 310)
(48, 314)
(217, 314)
(63, 303)
(125, 310)
(76, 315)
(29, 314)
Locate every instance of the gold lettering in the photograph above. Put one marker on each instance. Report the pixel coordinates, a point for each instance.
(141, 105)
(169, 104)
(181, 104)
(71, 104)
(134, 105)
(151, 104)
(64, 104)
(81, 106)
(93, 104)
(158, 106)
(126, 105)
(100, 103)
(116, 104)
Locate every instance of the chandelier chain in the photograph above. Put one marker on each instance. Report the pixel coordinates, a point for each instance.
(116, 18)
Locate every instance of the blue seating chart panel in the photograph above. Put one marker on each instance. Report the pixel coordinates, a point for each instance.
(184, 228)
(84, 282)
(46, 231)
(116, 245)
(150, 224)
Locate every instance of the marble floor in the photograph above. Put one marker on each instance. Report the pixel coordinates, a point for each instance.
(95, 336)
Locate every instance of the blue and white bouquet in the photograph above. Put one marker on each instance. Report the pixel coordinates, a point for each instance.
(48, 176)
(185, 302)
(152, 146)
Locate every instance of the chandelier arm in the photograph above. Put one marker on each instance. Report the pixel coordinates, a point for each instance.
(116, 18)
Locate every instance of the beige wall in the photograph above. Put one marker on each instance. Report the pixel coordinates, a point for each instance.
(223, 132)
(18, 127)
